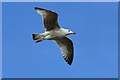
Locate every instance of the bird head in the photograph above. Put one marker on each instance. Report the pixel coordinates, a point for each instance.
(69, 32)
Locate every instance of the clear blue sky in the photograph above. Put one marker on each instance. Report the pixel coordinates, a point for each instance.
(96, 41)
(0, 40)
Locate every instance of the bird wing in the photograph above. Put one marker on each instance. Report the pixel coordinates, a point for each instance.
(49, 18)
(67, 49)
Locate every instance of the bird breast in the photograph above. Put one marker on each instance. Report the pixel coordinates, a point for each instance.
(57, 33)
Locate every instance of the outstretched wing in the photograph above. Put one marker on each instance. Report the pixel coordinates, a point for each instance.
(67, 49)
(49, 18)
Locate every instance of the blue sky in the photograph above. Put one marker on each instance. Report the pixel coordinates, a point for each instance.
(60, 1)
(96, 41)
(1, 40)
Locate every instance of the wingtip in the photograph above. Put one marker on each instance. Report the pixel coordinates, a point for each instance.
(70, 63)
(37, 8)
(69, 60)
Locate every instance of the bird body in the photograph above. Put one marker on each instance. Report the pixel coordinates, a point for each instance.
(54, 32)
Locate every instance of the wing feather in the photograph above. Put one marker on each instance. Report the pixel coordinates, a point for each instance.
(49, 18)
(67, 49)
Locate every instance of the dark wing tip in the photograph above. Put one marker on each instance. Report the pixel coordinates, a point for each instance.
(37, 8)
(69, 62)
(69, 59)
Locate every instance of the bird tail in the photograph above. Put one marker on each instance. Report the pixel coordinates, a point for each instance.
(34, 36)
(38, 37)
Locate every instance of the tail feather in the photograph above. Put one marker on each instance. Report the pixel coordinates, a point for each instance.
(34, 36)
(38, 37)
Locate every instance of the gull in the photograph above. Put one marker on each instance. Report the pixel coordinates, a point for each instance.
(54, 32)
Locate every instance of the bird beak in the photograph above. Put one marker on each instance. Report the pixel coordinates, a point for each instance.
(74, 33)
(71, 32)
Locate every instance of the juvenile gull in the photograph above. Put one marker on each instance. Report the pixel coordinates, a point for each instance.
(54, 32)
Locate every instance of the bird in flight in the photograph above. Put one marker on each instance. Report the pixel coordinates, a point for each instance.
(54, 32)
